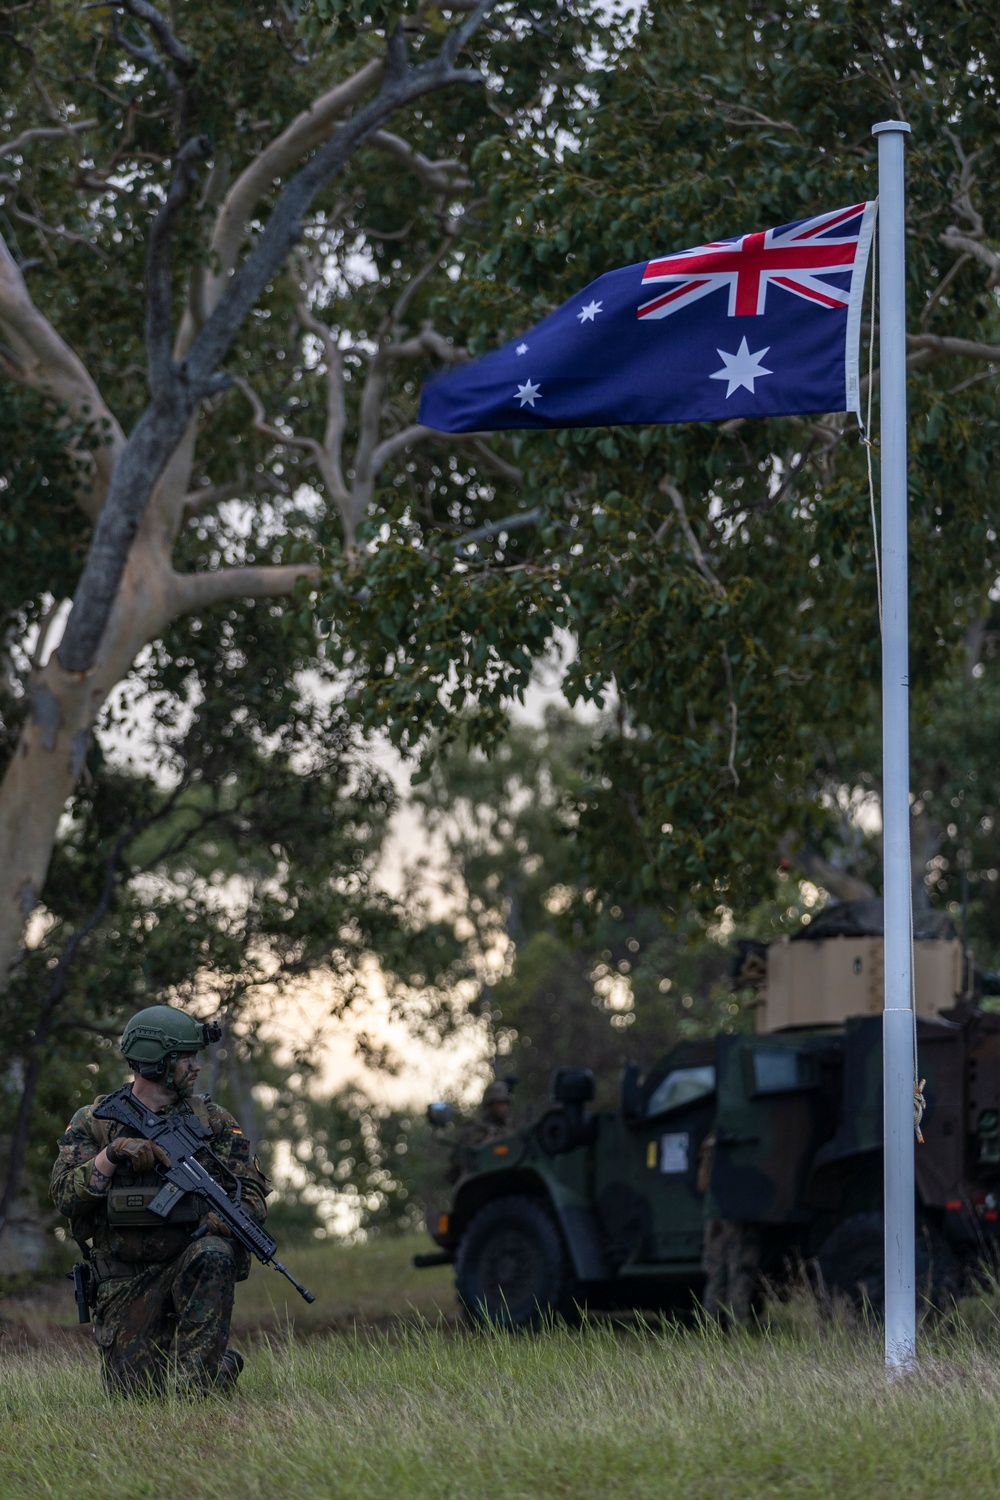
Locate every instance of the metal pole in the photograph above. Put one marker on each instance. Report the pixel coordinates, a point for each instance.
(897, 1032)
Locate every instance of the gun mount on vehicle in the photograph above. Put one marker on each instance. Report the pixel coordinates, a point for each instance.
(608, 1207)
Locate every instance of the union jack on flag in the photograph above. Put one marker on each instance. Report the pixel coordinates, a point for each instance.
(797, 258)
(762, 325)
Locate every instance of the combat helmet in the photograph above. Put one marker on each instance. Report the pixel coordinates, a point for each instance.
(498, 1092)
(154, 1037)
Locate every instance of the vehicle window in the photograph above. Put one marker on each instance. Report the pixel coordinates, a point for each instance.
(780, 1070)
(680, 1087)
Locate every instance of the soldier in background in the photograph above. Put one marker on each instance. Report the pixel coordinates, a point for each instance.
(730, 1256)
(164, 1300)
(495, 1110)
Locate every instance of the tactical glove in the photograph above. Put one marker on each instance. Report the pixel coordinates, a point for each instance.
(138, 1155)
(212, 1224)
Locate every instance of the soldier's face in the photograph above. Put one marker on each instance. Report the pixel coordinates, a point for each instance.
(186, 1071)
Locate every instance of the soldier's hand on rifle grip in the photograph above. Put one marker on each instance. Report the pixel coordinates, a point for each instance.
(210, 1223)
(138, 1155)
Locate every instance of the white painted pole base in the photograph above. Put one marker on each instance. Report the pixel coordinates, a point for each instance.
(900, 1207)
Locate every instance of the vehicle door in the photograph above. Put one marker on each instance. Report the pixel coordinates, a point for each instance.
(647, 1167)
(768, 1123)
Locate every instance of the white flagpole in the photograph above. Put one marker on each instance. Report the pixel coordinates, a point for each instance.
(898, 1022)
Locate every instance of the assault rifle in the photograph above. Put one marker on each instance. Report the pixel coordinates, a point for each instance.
(181, 1137)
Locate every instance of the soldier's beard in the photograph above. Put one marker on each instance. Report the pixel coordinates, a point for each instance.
(184, 1087)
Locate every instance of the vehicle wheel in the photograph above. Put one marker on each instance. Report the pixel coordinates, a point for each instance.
(851, 1261)
(511, 1269)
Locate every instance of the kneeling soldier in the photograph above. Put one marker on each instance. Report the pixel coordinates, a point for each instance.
(164, 1301)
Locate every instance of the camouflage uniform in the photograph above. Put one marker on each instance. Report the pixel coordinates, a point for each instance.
(476, 1133)
(165, 1301)
(730, 1254)
(730, 1259)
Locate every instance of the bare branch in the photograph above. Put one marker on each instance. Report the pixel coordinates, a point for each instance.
(42, 133)
(460, 36)
(427, 341)
(946, 281)
(402, 303)
(210, 495)
(962, 201)
(963, 244)
(167, 42)
(516, 522)
(442, 177)
(194, 591)
(57, 232)
(336, 409)
(262, 425)
(401, 85)
(305, 133)
(143, 51)
(43, 630)
(931, 346)
(743, 114)
(733, 717)
(481, 447)
(667, 488)
(387, 449)
(327, 463)
(159, 318)
(38, 357)
(972, 380)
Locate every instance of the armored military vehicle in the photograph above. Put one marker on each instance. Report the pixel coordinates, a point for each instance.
(606, 1208)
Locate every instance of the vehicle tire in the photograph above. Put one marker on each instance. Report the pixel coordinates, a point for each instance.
(851, 1262)
(511, 1270)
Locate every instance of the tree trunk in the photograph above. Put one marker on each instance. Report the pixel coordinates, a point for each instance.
(53, 745)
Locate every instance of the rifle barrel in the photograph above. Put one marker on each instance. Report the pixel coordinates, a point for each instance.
(302, 1291)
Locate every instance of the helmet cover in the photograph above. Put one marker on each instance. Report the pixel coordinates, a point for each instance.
(497, 1092)
(159, 1030)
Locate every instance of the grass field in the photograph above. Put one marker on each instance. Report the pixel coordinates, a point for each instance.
(411, 1408)
(353, 1284)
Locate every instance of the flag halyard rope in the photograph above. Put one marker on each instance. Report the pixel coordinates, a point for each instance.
(866, 430)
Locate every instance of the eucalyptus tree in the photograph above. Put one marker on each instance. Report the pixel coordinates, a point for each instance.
(718, 582)
(205, 223)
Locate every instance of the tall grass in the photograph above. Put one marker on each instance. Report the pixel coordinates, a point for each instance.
(801, 1410)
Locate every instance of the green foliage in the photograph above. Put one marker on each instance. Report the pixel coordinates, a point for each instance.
(732, 674)
(571, 976)
(355, 1169)
(246, 864)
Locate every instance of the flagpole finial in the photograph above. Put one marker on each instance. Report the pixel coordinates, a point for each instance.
(899, 127)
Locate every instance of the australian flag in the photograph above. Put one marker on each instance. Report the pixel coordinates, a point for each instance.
(763, 325)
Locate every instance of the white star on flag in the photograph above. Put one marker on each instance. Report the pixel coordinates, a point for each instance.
(522, 348)
(588, 313)
(528, 393)
(741, 368)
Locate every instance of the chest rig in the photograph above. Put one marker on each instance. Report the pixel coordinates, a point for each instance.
(127, 1202)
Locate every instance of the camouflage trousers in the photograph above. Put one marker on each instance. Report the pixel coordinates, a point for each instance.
(730, 1259)
(167, 1327)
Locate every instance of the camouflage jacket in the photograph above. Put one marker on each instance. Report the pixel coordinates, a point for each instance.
(472, 1135)
(89, 1212)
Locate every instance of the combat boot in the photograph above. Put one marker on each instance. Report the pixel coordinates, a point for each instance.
(230, 1368)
